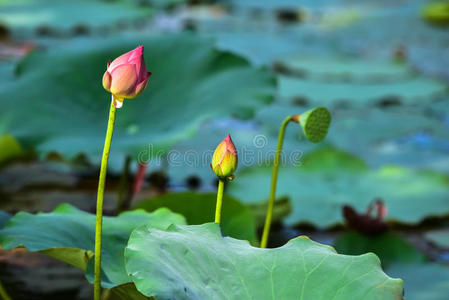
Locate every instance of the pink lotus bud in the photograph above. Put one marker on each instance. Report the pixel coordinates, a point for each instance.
(224, 161)
(126, 76)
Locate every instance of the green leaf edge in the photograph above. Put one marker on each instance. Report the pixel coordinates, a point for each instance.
(215, 229)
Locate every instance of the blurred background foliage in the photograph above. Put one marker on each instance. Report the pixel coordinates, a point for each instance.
(238, 67)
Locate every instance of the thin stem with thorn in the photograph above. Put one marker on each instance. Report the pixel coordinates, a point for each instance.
(269, 217)
(219, 200)
(100, 194)
(3, 294)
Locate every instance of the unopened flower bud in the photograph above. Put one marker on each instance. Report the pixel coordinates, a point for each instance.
(224, 161)
(126, 76)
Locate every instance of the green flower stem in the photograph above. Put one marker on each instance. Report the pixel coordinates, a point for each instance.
(3, 294)
(101, 182)
(274, 177)
(219, 200)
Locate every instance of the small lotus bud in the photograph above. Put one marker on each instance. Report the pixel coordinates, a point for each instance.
(224, 161)
(315, 123)
(126, 76)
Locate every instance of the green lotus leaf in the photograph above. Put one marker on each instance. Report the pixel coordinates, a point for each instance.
(238, 221)
(437, 13)
(332, 94)
(126, 291)
(68, 234)
(318, 193)
(344, 69)
(4, 218)
(439, 237)
(62, 17)
(428, 281)
(390, 247)
(196, 262)
(70, 117)
(418, 142)
(9, 148)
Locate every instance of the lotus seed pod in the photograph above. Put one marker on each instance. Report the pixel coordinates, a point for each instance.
(315, 123)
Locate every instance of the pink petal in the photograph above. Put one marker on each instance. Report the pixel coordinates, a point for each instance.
(141, 87)
(107, 81)
(124, 80)
(141, 69)
(122, 59)
(230, 145)
(136, 53)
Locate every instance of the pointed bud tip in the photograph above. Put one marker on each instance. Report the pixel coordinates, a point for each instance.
(230, 144)
(225, 160)
(138, 50)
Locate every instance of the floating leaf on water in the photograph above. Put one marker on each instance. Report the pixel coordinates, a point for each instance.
(196, 262)
(68, 234)
(238, 221)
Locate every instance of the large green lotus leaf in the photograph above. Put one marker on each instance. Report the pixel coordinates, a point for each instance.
(126, 291)
(265, 4)
(439, 237)
(157, 3)
(255, 142)
(390, 247)
(9, 148)
(437, 14)
(354, 70)
(7, 73)
(391, 124)
(261, 40)
(351, 124)
(318, 189)
(343, 29)
(193, 156)
(191, 82)
(320, 6)
(196, 262)
(412, 137)
(388, 38)
(24, 17)
(318, 92)
(261, 48)
(238, 220)
(423, 281)
(253, 30)
(282, 208)
(68, 234)
(4, 218)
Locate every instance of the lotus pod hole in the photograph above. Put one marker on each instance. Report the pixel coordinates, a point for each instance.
(315, 123)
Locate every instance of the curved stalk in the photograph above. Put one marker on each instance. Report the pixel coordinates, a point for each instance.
(101, 183)
(219, 200)
(274, 177)
(3, 294)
